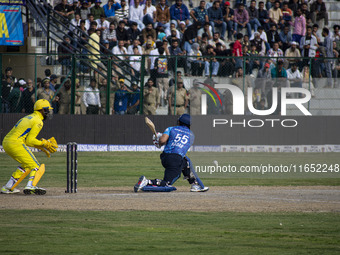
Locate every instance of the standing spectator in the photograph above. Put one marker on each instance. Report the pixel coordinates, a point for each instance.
(45, 92)
(253, 16)
(123, 13)
(136, 14)
(110, 35)
(306, 13)
(200, 14)
(103, 96)
(215, 65)
(135, 62)
(14, 96)
(8, 82)
(319, 12)
(241, 19)
(179, 12)
(65, 98)
(275, 14)
(228, 15)
(237, 51)
(264, 81)
(91, 98)
(121, 98)
(308, 46)
(263, 16)
(26, 99)
(149, 13)
(53, 82)
(180, 99)
(79, 104)
(162, 75)
(110, 11)
(328, 44)
(151, 98)
(97, 10)
(195, 95)
(133, 102)
(163, 14)
(93, 47)
(299, 26)
(215, 15)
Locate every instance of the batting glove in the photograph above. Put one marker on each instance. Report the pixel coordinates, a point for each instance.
(155, 139)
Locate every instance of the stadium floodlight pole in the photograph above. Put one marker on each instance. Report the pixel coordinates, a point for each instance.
(108, 86)
(141, 96)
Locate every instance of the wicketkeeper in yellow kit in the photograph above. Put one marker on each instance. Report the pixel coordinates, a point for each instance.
(16, 143)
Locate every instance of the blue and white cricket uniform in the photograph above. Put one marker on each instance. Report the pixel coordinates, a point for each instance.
(179, 142)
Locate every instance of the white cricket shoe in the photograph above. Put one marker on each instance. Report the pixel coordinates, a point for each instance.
(6, 190)
(34, 190)
(142, 182)
(198, 188)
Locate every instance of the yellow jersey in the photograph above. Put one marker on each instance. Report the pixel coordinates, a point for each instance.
(26, 130)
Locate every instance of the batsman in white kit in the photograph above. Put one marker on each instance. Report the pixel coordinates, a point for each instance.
(177, 141)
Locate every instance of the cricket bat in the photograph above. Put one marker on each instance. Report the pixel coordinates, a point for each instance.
(150, 124)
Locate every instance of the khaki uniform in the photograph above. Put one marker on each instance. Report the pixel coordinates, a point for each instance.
(64, 101)
(195, 101)
(102, 94)
(44, 94)
(151, 100)
(79, 105)
(181, 97)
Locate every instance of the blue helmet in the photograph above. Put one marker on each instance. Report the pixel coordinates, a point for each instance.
(185, 119)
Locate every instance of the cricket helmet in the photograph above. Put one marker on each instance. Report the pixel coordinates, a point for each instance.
(185, 119)
(42, 104)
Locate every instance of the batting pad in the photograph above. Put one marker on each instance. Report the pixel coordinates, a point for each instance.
(153, 188)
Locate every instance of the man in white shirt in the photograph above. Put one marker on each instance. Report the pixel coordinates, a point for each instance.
(136, 14)
(135, 43)
(102, 23)
(120, 50)
(294, 76)
(75, 22)
(149, 13)
(91, 98)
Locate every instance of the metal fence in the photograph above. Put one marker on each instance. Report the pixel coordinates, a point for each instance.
(166, 84)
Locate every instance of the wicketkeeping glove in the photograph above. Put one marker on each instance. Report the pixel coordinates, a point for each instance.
(50, 145)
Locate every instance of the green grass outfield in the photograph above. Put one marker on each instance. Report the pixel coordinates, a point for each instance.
(114, 169)
(175, 232)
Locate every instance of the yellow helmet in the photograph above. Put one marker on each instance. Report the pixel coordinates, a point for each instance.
(42, 104)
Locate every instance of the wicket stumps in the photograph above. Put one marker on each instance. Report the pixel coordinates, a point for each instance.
(72, 168)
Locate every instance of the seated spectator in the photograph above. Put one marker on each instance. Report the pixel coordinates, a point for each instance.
(209, 4)
(169, 32)
(299, 27)
(84, 10)
(122, 96)
(253, 16)
(175, 50)
(264, 80)
(149, 13)
(294, 76)
(241, 19)
(203, 44)
(275, 52)
(263, 16)
(254, 62)
(319, 12)
(137, 13)
(216, 18)
(287, 16)
(216, 39)
(179, 12)
(246, 41)
(293, 54)
(205, 29)
(190, 36)
(200, 14)
(97, 10)
(259, 44)
(135, 43)
(75, 22)
(121, 33)
(102, 23)
(280, 75)
(148, 31)
(275, 13)
(120, 50)
(89, 21)
(110, 11)
(135, 62)
(272, 36)
(224, 63)
(133, 32)
(65, 11)
(285, 38)
(215, 65)
(228, 17)
(197, 63)
(123, 13)
(163, 14)
(240, 80)
(110, 35)
(82, 35)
